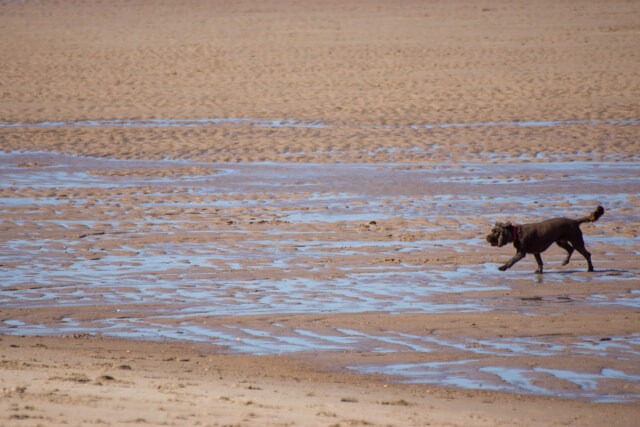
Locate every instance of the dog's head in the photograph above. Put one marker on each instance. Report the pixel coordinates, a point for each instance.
(501, 234)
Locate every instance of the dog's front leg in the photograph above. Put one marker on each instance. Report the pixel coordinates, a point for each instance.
(539, 261)
(517, 257)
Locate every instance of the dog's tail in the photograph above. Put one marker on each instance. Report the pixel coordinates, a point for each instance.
(594, 215)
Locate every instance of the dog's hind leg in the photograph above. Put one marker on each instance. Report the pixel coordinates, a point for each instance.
(539, 261)
(517, 257)
(567, 247)
(579, 245)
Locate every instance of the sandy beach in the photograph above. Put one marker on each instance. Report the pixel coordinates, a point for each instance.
(274, 213)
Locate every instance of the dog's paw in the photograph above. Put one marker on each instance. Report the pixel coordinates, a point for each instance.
(502, 268)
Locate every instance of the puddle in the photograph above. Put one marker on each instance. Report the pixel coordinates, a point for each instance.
(473, 374)
(112, 280)
(312, 124)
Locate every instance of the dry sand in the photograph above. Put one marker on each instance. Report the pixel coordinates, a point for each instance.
(273, 213)
(355, 66)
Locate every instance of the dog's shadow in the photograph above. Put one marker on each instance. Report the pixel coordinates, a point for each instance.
(608, 271)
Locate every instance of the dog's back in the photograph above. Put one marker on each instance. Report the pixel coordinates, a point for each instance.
(538, 236)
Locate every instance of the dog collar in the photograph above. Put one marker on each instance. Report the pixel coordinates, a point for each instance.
(515, 233)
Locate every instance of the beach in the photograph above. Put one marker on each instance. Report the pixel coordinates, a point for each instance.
(274, 213)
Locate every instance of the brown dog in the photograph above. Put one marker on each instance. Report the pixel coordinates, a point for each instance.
(536, 238)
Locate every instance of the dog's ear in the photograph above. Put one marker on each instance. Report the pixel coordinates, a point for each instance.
(502, 238)
(503, 224)
(505, 234)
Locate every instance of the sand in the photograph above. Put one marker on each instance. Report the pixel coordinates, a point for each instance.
(52, 381)
(355, 67)
(273, 213)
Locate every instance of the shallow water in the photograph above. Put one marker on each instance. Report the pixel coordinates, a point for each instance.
(330, 205)
(473, 374)
(241, 240)
(300, 123)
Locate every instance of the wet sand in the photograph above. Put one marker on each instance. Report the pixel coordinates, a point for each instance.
(369, 276)
(274, 214)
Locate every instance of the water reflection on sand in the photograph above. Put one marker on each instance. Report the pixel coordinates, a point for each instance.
(162, 253)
